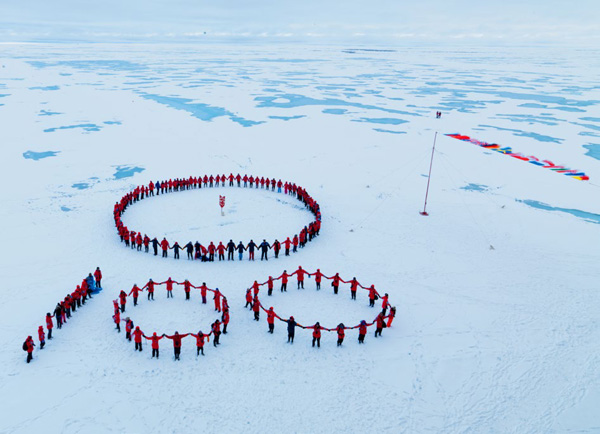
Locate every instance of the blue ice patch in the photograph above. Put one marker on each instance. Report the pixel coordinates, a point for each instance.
(48, 113)
(30, 155)
(91, 65)
(474, 187)
(85, 127)
(593, 150)
(381, 130)
(586, 216)
(112, 122)
(287, 118)
(65, 209)
(387, 121)
(44, 88)
(81, 185)
(127, 171)
(296, 100)
(333, 111)
(201, 111)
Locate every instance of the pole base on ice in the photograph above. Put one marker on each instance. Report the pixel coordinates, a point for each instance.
(425, 213)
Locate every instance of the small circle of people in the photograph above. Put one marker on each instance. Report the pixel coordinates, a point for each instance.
(72, 302)
(381, 321)
(135, 334)
(212, 251)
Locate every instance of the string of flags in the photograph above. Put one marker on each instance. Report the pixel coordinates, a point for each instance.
(546, 164)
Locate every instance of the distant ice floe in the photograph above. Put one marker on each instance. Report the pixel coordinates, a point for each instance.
(31, 155)
(586, 216)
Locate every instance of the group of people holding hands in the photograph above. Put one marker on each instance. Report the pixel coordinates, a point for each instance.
(136, 334)
(210, 251)
(382, 320)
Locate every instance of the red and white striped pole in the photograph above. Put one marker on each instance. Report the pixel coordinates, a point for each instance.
(424, 212)
(222, 203)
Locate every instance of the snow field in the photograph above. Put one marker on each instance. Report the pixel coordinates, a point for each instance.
(485, 340)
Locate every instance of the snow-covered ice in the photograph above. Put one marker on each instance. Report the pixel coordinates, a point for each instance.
(497, 327)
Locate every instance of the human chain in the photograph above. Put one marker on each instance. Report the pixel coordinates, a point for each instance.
(220, 304)
(63, 310)
(208, 252)
(380, 322)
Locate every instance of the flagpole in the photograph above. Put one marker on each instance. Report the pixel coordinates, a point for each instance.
(424, 212)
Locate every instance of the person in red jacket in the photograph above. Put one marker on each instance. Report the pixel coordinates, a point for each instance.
(255, 288)
(128, 328)
(353, 288)
(117, 318)
(154, 338)
(316, 334)
(123, 300)
(300, 275)
(256, 308)
(203, 289)
(28, 346)
(42, 337)
(372, 295)
(362, 332)
(98, 277)
(137, 338)
(248, 298)
(318, 276)
(341, 333)
(217, 299)
(287, 243)
(384, 303)
(176, 338)
(164, 244)
(380, 324)
(211, 252)
(169, 282)
(225, 319)
(187, 287)
(284, 280)
(271, 319)
(135, 291)
(391, 316)
(150, 285)
(49, 325)
(216, 330)
(336, 282)
(269, 283)
(200, 342)
(221, 251)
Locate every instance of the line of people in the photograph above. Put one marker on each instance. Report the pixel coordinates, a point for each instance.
(64, 309)
(382, 320)
(208, 253)
(136, 334)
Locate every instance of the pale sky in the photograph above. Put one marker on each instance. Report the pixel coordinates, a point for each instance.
(388, 22)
